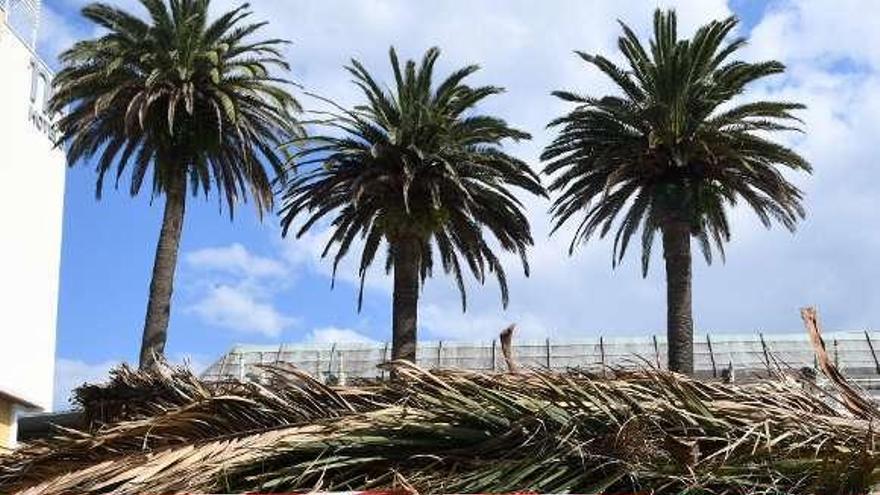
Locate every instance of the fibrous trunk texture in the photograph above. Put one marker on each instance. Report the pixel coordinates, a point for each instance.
(162, 283)
(679, 317)
(406, 299)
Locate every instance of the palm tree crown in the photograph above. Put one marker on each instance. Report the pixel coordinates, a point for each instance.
(416, 164)
(671, 153)
(175, 93)
(674, 144)
(190, 102)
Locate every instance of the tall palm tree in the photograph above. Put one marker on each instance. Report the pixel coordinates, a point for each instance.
(672, 153)
(189, 101)
(419, 169)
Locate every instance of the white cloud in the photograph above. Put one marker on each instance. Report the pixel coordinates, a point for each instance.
(304, 253)
(529, 51)
(333, 335)
(237, 308)
(445, 322)
(819, 33)
(235, 259)
(833, 54)
(768, 274)
(229, 287)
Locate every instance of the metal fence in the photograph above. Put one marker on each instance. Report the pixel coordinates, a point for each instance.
(746, 355)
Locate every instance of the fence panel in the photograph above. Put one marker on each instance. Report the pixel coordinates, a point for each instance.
(855, 352)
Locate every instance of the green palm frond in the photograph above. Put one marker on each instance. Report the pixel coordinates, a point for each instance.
(177, 91)
(676, 143)
(415, 162)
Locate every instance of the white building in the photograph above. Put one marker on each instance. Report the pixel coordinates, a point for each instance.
(31, 203)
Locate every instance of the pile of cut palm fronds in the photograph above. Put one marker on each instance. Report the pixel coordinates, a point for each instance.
(165, 431)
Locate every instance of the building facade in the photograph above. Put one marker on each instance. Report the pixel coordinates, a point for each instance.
(32, 174)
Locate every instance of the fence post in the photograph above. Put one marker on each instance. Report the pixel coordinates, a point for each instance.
(384, 359)
(711, 356)
(318, 365)
(873, 354)
(223, 365)
(766, 353)
(240, 366)
(340, 374)
(602, 353)
(330, 363)
(656, 351)
(493, 354)
(836, 355)
(439, 353)
(548, 353)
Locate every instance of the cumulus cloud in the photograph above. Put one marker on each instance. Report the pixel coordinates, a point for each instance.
(235, 259)
(768, 275)
(304, 253)
(334, 335)
(237, 308)
(230, 287)
(533, 58)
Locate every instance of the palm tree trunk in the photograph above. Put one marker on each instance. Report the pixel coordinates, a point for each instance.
(407, 258)
(161, 285)
(679, 318)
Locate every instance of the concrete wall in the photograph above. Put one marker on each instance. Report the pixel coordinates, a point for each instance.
(31, 205)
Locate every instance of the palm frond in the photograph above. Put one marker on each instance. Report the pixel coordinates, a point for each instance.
(671, 147)
(177, 92)
(447, 431)
(415, 163)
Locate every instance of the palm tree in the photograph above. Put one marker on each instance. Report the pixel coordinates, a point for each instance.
(672, 153)
(190, 102)
(419, 169)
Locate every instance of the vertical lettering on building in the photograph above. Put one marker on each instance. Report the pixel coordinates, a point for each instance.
(39, 104)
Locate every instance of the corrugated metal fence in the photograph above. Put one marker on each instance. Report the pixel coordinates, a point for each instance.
(745, 354)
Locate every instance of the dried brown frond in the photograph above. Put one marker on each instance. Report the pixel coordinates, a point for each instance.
(450, 431)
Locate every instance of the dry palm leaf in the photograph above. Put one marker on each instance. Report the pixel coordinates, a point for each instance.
(854, 399)
(454, 432)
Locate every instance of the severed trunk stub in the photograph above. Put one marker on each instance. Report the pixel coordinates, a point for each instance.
(164, 266)
(679, 318)
(506, 339)
(854, 399)
(407, 259)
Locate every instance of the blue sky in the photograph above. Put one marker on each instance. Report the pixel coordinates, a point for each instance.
(239, 282)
